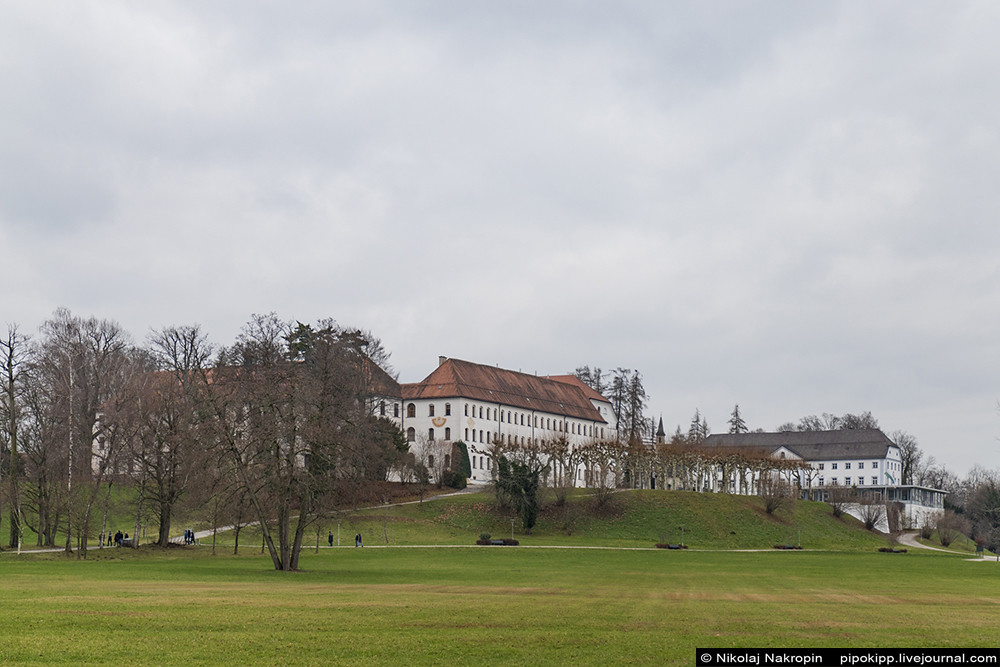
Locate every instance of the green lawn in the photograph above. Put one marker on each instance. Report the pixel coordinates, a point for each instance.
(470, 605)
(633, 519)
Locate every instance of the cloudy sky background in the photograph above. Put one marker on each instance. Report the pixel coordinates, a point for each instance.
(786, 205)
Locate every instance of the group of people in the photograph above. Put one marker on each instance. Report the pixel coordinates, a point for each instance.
(357, 539)
(188, 536)
(117, 539)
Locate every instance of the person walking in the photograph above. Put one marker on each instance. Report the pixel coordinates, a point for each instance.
(329, 538)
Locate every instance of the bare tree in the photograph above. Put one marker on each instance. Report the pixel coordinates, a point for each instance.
(909, 453)
(950, 526)
(292, 405)
(873, 512)
(79, 364)
(174, 433)
(838, 497)
(776, 492)
(13, 360)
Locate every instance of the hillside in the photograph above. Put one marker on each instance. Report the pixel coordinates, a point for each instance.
(633, 519)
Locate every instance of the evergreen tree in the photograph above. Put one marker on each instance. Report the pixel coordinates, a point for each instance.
(736, 423)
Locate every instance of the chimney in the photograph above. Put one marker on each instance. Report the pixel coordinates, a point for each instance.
(441, 360)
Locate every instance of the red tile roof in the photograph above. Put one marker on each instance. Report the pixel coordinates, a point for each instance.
(455, 378)
(589, 391)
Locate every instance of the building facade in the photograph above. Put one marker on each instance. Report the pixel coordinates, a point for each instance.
(480, 405)
(864, 461)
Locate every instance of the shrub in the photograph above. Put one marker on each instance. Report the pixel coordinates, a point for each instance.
(926, 529)
(454, 480)
(950, 526)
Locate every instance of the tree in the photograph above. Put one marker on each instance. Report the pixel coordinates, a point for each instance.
(950, 526)
(909, 453)
(79, 365)
(594, 378)
(13, 360)
(173, 435)
(293, 408)
(838, 497)
(873, 512)
(830, 422)
(776, 492)
(736, 423)
(698, 430)
(517, 485)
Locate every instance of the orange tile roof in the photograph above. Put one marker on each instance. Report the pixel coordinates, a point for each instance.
(455, 378)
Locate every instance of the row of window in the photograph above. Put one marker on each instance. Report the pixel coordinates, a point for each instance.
(860, 464)
(848, 481)
(509, 417)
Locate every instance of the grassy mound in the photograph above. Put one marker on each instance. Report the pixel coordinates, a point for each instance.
(630, 519)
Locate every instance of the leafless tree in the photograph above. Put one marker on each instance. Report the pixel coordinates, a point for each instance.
(872, 511)
(78, 365)
(950, 526)
(174, 435)
(838, 497)
(292, 406)
(909, 453)
(776, 492)
(13, 361)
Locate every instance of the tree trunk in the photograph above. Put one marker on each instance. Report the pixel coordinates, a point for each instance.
(164, 536)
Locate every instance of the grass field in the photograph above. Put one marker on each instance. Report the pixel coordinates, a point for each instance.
(633, 519)
(616, 600)
(470, 605)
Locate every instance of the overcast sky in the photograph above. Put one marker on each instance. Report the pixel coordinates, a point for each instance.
(786, 205)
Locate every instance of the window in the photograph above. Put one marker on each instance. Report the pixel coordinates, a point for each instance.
(480, 412)
(430, 410)
(430, 434)
(847, 466)
(381, 408)
(430, 461)
(447, 409)
(411, 434)
(466, 434)
(395, 409)
(411, 410)
(847, 481)
(834, 466)
(875, 465)
(834, 481)
(821, 481)
(820, 466)
(861, 465)
(466, 409)
(874, 480)
(447, 434)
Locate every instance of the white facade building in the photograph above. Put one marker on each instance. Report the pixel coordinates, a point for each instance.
(864, 461)
(479, 404)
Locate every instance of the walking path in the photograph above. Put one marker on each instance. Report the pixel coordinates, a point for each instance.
(910, 540)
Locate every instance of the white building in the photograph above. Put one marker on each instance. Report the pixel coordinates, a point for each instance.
(864, 461)
(479, 404)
